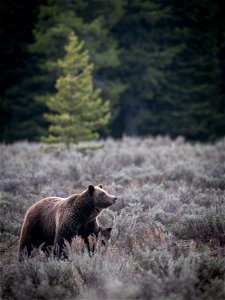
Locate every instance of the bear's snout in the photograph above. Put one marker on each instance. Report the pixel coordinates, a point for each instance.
(114, 199)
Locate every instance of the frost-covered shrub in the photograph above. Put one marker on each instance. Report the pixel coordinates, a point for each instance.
(38, 280)
(195, 276)
(170, 209)
(208, 227)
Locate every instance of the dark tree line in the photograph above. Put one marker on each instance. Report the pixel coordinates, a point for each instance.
(161, 63)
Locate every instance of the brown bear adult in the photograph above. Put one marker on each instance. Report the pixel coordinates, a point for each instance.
(52, 221)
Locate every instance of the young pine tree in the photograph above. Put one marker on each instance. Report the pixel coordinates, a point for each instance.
(76, 110)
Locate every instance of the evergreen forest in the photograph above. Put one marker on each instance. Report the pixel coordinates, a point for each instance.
(152, 67)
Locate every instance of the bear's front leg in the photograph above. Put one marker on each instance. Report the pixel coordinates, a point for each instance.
(63, 235)
(59, 250)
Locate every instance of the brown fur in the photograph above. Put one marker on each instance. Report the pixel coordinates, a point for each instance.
(52, 220)
(92, 232)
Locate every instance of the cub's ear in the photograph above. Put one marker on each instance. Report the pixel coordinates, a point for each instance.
(91, 188)
(109, 229)
(100, 185)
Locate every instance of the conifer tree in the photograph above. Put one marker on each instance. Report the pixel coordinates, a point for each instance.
(92, 23)
(76, 110)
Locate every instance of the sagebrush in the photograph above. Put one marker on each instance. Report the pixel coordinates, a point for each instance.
(168, 234)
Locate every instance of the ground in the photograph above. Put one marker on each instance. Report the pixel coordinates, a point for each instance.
(168, 223)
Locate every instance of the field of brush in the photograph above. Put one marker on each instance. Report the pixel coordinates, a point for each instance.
(168, 237)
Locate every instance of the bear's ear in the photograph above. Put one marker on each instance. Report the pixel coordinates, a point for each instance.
(100, 185)
(109, 229)
(91, 188)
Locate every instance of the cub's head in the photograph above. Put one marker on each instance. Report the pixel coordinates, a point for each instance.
(101, 198)
(100, 240)
(104, 235)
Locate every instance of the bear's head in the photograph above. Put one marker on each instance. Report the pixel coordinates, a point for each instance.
(100, 240)
(102, 199)
(104, 235)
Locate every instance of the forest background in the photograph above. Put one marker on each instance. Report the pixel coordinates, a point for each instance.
(161, 63)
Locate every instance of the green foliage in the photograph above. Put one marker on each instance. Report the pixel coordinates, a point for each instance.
(20, 116)
(76, 110)
(160, 62)
(171, 65)
(92, 25)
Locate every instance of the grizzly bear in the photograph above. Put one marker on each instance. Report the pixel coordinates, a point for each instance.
(53, 220)
(91, 232)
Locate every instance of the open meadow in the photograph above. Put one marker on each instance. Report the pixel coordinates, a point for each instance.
(168, 237)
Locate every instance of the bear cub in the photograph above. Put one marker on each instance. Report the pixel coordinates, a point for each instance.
(52, 221)
(92, 232)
